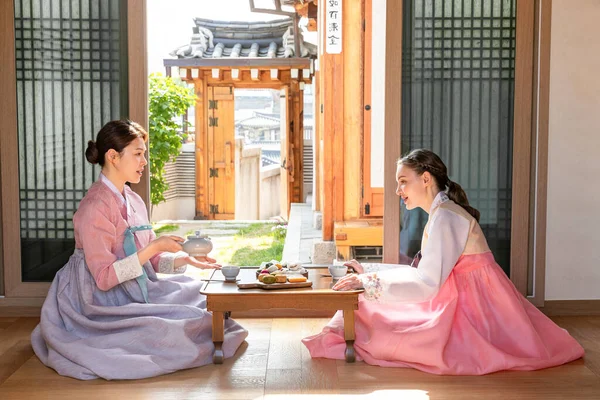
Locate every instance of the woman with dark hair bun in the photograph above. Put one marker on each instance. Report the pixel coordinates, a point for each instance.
(107, 315)
(453, 311)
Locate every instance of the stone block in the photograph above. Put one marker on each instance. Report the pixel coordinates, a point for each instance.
(323, 252)
(318, 220)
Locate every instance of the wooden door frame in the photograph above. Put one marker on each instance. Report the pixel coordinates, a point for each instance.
(9, 172)
(541, 100)
(31, 294)
(530, 121)
(367, 190)
(284, 199)
(202, 84)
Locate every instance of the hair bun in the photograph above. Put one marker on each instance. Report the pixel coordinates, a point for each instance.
(91, 153)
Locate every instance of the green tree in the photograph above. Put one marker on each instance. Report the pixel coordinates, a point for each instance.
(169, 99)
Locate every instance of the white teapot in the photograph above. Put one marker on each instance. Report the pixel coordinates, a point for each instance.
(197, 245)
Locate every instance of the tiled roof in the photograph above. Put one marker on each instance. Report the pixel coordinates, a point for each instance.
(259, 120)
(267, 120)
(220, 39)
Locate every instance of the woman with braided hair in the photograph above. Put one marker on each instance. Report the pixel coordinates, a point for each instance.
(453, 311)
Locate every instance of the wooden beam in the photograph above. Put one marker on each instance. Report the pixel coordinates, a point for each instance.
(183, 73)
(276, 11)
(293, 62)
(302, 9)
(245, 79)
(393, 103)
(245, 74)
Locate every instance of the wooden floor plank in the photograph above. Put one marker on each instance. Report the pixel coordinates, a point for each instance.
(273, 364)
(14, 358)
(5, 322)
(285, 351)
(586, 330)
(283, 381)
(17, 331)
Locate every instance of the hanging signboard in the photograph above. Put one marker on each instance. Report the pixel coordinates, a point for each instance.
(333, 26)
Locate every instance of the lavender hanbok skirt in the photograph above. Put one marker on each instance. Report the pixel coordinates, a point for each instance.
(86, 333)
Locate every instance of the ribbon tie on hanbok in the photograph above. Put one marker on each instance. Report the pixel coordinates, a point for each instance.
(130, 248)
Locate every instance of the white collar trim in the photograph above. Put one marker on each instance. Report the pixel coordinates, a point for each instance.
(114, 189)
(441, 197)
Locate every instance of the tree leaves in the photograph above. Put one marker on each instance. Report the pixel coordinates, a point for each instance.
(169, 99)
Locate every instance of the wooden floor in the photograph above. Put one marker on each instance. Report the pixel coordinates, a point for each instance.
(273, 364)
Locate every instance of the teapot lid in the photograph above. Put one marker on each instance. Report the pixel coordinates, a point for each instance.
(197, 235)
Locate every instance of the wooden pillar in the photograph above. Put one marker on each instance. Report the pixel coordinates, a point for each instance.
(296, 140)
(200, 145)
(317, 163)
(523, 100)
(10, 237)
(332, 70)
(327, 72)
(393, 101)
(138, 80)
(353, 60)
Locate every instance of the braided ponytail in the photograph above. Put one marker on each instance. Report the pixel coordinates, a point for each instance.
(457, 194)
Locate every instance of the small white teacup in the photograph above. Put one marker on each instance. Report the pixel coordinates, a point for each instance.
(338, 271)
(230, 272)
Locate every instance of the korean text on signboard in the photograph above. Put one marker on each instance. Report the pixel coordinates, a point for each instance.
(333, 26)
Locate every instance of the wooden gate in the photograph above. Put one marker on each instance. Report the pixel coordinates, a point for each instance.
(221, 153)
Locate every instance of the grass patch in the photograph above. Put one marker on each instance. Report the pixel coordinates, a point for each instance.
(250, 256)
(252, 245)
(166, 228)
(256, 229)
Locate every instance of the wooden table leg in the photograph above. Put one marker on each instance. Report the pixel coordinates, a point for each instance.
(218, 336)
(349, 335)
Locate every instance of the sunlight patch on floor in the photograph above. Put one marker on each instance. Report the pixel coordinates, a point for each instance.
(376, 395)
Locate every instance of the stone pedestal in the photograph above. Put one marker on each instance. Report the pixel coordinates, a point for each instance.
(318, 220)
(323, 252)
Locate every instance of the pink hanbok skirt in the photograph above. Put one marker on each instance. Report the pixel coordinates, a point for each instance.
(477, 324)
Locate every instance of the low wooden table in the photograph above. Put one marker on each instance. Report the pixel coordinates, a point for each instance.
(224, 297)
